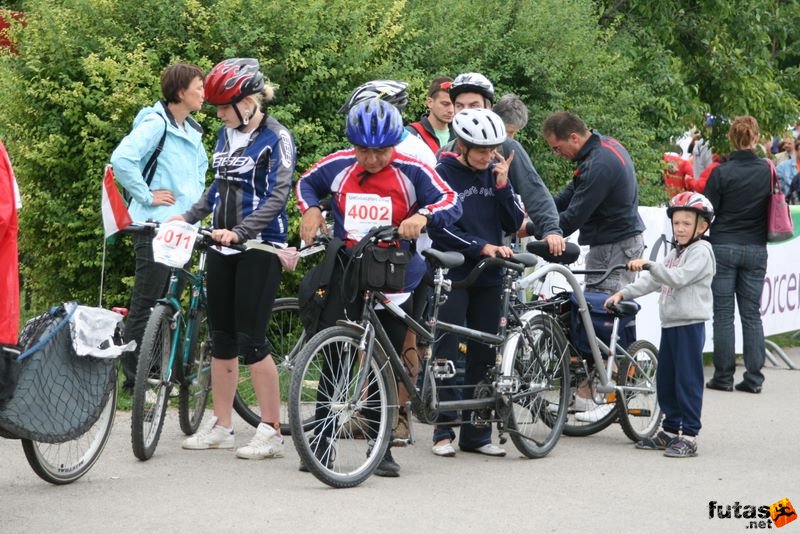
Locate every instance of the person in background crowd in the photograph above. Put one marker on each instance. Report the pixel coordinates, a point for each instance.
(473, 90)
(740, 191)
(602, 201)
(514, 113)
(488, 215)
(678, 172)
(178, 181)
(789, 167)
(254, 161)
(434, 127)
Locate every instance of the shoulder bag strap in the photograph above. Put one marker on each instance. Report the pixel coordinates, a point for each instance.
(151, 165)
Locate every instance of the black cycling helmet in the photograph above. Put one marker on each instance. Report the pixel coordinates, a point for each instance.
(391, 91)
(472, 82)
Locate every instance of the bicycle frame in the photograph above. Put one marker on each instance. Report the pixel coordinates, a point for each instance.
(371, 329)
(183, 324)
(607, 384)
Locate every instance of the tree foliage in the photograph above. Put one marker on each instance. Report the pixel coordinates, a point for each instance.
(636, 70)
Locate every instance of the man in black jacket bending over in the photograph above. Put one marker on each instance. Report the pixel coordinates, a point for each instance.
(602, 201)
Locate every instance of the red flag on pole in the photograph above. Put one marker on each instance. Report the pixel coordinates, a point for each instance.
(115, 212)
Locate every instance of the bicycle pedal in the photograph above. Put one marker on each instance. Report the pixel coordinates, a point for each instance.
(443, 369)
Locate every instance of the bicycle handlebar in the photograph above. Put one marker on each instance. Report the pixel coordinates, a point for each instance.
(518, 263)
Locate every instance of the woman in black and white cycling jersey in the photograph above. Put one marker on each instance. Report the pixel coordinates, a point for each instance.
(253, 163)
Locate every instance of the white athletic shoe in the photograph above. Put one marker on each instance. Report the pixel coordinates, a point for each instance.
(210, 436)
(266, 443)
(596, 413)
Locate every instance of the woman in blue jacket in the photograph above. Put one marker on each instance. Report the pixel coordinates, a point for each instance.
(177, 182)
(479, 174)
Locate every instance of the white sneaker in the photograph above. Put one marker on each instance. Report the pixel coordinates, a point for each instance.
(266, 443)
(596, 413)
(210, 437)
(579, 404)
(446, 450)
(582, 404)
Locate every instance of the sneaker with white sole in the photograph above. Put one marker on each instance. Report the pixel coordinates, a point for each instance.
(266, 443)
(595, 414)
(489, 449)
(210, 436)
(446, 450)
(579, 404)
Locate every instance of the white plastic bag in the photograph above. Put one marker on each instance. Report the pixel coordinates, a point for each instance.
(93, 330)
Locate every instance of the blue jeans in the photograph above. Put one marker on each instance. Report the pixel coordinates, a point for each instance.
(740, 273)
(478, 308)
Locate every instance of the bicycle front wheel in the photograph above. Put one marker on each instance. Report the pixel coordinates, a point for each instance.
(639, 411)
(285, 332)
(350, 429)
(194, 374)
(151, 391)
(539, 408)
(62, 463)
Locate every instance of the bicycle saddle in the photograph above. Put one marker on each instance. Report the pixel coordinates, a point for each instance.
(541, 249)
(447, 260)
(625, 308)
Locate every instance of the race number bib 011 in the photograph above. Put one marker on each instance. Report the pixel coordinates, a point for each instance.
(364, 211)
(174, 243)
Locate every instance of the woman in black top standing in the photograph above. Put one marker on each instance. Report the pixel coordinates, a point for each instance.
(739, 189)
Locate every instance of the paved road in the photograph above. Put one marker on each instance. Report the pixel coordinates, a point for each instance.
(748, 454)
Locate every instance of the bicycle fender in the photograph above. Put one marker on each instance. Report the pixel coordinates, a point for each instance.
(510, 346)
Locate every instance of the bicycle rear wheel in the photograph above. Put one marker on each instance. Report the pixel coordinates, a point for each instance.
(639, 411)
(539, 408)
(194, 375)
(62, 463)
(350, 430)
(285, 332)
(151, 391)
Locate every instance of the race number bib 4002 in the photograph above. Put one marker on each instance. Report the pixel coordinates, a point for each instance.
(364, 211)
(174, 243)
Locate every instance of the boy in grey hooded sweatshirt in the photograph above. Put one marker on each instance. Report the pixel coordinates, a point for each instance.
(685, 304)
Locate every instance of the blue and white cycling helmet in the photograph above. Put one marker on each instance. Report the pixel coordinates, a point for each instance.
(374, 124)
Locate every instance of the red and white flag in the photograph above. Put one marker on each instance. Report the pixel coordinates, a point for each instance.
(115, 212)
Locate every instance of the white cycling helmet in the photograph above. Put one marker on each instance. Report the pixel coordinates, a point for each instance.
(479, 127)
(391, 91)
(472, 82)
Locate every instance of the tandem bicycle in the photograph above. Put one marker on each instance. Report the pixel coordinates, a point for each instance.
(346, 378)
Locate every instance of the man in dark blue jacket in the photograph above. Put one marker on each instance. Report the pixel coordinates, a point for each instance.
(602, 201)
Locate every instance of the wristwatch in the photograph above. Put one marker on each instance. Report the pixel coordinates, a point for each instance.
(425, 212)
